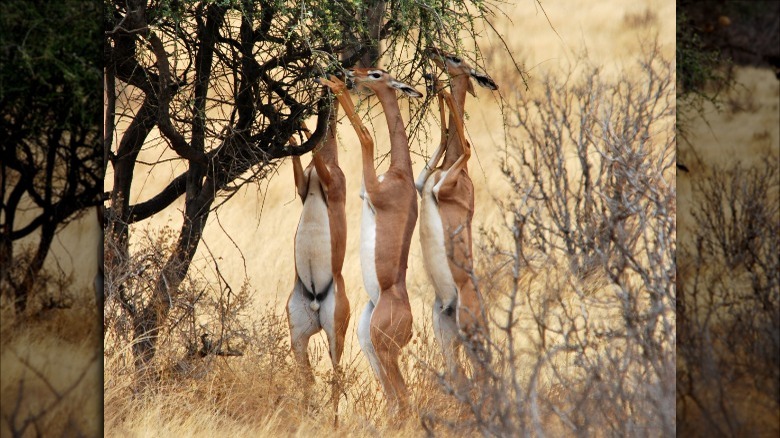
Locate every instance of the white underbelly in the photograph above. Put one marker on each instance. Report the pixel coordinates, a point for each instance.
(312, 244)
(434, 251)
(368, 251)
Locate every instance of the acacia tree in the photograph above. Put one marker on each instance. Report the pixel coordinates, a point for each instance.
(227, 84)
(51, 156)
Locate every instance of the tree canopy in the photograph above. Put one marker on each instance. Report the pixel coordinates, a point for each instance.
(227, 84)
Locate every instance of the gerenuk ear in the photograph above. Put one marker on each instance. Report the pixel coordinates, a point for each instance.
(406, 89)
(470, 88)
(483, 80)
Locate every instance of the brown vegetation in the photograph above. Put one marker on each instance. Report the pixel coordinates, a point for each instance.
(50, 366)
(580, 284)
(728, 312)
(574, 348)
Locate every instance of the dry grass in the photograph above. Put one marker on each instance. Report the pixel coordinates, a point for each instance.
(51, 370)
(571, 350)
(258, 394)
(727, 358)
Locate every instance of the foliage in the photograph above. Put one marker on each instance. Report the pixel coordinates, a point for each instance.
(712, 38)
(696, 63)
(582, 326)
(227, 84)
(581, 277)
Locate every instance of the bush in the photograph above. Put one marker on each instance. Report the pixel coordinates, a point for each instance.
(580, 280)
(207, 317)
(580, 287)
(729, 309)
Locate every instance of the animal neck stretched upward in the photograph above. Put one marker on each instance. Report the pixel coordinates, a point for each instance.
(329, 151)
(399, 142)
(390, 213)
(460, 85)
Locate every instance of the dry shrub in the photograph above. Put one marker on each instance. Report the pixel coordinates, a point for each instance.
(51, 287)
(241, 379)
(729, 311)
(215, 393)
(580, 279)
(260, 393)
(206, 316)
(579, 286)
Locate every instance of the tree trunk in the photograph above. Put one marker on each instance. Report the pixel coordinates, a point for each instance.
(6, 234)
(118, 254)
(375, 15)
(23, 291)
(148, 322)
(199, 197)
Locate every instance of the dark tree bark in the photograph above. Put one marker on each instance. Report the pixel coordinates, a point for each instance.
(226, 85)
(375, 18)
(209, 172)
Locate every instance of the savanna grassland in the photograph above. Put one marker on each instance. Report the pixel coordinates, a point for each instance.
(51, 360)
(582, 320)
(567, 319)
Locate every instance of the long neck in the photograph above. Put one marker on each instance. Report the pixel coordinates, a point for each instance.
(460, 84)
(329, 150)
(399, 142)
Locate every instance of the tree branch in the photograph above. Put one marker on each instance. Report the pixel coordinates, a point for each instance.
(159, 202)
(176, 139)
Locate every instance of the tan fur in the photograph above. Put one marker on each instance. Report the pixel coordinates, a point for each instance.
(394, 202)
(453, 190)
(333, 184)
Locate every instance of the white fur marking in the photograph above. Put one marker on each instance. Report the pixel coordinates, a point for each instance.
(312, 241)
(368, 250)
(364, 337)
(433, 249)
(327, 318)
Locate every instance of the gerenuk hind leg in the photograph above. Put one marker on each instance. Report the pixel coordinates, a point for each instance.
(304, 322)
(391, 330)
(334, 318)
